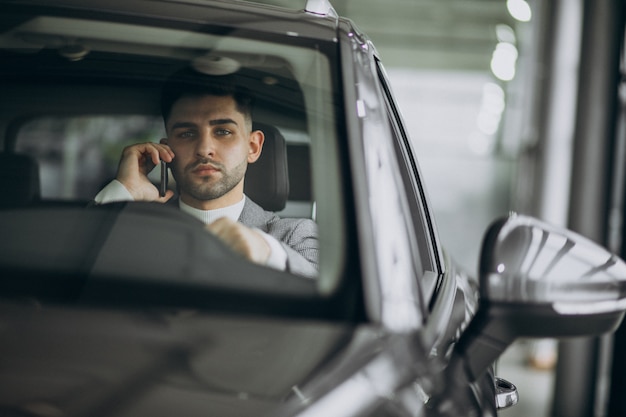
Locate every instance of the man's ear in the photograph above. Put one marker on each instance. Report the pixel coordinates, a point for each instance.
(255, 145)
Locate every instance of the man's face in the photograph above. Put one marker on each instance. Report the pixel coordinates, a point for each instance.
(213, 145)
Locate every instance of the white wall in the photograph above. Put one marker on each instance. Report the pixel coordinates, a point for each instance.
(468, 184)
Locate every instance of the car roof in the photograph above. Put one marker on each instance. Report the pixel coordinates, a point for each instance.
(207, 17)
(242, 15)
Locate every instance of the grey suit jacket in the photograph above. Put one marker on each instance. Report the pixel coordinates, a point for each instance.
(297, 236)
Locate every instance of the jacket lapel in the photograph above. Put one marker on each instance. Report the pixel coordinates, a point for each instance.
(253, 215)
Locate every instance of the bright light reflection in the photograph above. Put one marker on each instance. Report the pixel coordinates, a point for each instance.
(481, 144)
(375, 382)
(503, 61)
(598, 307)
(488, 120)
(519, 9)
(493, 98)
(505, 33)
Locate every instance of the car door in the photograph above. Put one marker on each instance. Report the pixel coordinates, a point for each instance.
(450, 294)
(410, 284)
(443, 285)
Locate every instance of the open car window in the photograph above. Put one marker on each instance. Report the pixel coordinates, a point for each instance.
(78, 89)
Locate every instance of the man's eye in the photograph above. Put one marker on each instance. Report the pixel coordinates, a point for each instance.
(223, 132)
(186, 134)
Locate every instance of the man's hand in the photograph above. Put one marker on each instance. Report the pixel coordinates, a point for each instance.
(242, 239)
(136, 163)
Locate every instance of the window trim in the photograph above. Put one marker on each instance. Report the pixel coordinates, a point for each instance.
(422, 217)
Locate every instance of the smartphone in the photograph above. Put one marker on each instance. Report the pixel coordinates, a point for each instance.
(164, 179)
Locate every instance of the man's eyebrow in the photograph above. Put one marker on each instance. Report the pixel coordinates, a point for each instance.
(183, 125)
(214, 122)
(226, 121)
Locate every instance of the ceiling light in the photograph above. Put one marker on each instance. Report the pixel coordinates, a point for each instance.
(505, 33)
(504, 60)
(519, 9)
(215, 65)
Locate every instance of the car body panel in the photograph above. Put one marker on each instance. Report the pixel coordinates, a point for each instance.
(245, 16)
(116, 362)
(132, 309)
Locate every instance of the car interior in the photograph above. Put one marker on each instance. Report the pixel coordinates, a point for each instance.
(72, 101)
(267, 180)
(19, 180)
(78, 81)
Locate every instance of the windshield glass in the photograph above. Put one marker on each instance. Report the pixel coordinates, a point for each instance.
(94, 103)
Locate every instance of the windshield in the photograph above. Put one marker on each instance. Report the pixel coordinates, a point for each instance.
(80, 91)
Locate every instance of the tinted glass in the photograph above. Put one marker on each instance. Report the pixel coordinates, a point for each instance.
(79, 88)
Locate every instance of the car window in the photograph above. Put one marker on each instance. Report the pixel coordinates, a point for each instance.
(427, 249)
(77, 156)
(385, 222)
(77, 90)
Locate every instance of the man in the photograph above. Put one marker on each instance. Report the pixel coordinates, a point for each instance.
(209, 144)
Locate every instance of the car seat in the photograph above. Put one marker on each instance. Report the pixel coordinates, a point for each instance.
(19, 180)
(267, 180)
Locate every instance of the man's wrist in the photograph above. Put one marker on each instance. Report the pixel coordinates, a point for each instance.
(278, 256)
(112, 192)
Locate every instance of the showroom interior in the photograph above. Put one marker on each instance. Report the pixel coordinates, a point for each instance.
(513, 105)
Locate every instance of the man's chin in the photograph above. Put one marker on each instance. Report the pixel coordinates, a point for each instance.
(205, 193)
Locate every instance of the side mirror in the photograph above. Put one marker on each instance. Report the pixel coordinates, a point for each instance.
(537, 280)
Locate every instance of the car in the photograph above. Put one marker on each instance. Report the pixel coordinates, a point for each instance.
(131, 308)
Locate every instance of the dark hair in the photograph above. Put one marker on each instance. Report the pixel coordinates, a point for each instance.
(188, 82)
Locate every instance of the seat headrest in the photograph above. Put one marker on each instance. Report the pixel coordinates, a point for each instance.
(267, 180)
(19, 180)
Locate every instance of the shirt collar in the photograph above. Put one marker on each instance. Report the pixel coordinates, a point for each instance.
(209, 216)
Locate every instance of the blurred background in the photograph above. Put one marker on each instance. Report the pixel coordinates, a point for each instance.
(516, 105)
(459, 72)
(463, 73)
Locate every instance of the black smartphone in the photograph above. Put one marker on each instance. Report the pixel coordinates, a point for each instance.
(164, 179)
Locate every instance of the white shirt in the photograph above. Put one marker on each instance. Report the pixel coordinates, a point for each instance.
(115, 191)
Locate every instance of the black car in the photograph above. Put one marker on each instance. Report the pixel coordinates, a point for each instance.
(132, 309)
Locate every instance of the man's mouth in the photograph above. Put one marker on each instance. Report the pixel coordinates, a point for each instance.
(205, 169)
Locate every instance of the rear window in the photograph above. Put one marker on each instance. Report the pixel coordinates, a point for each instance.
(77, 156)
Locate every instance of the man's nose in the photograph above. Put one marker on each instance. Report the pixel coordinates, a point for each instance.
(205, 146)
